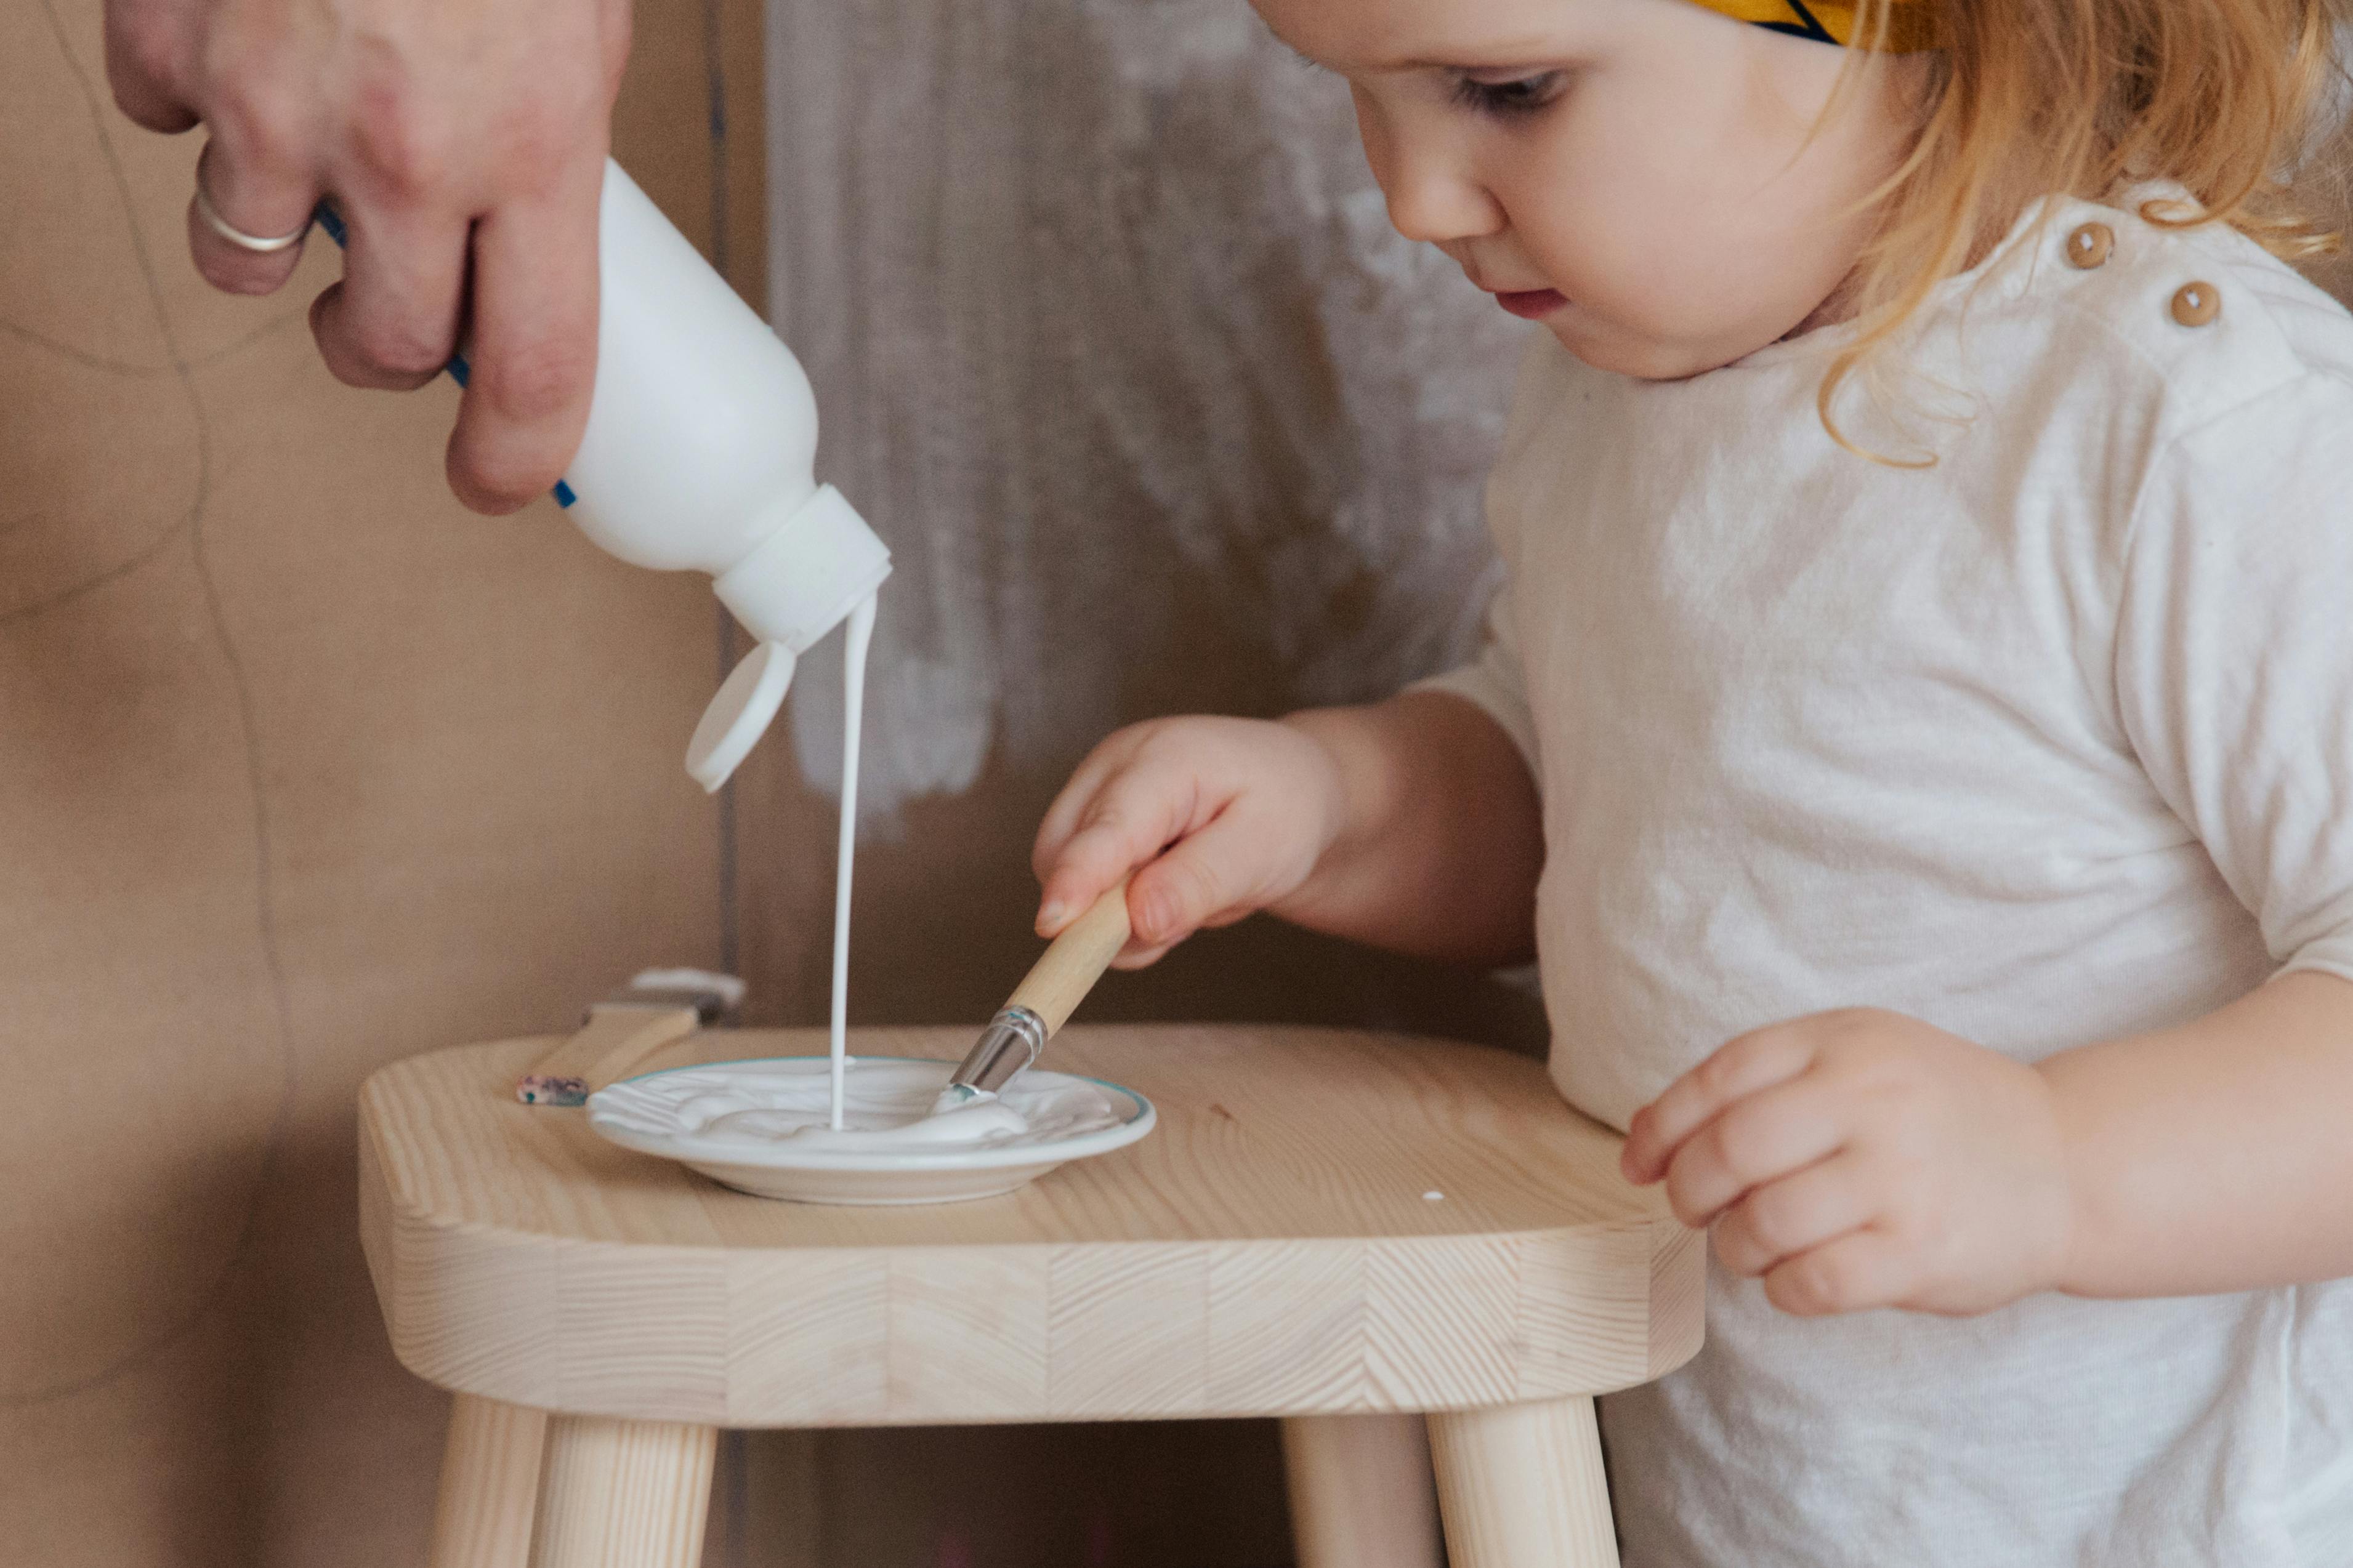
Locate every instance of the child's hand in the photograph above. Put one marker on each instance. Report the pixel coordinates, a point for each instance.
(1864, 1158)
(1226, 816)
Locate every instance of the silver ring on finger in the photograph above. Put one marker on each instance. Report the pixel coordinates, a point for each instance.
(260, 244)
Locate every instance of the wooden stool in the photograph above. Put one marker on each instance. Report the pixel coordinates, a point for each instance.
(1325, 1224)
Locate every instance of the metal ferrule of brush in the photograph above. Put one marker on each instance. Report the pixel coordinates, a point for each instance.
(1011, 1042)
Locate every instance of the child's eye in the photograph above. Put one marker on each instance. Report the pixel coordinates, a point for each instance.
(1510, 98)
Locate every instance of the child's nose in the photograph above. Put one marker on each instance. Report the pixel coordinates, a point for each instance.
(1430, 200)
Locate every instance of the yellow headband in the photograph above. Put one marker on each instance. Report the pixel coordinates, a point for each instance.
(1908, 22)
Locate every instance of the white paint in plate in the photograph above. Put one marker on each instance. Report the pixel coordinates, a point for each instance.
(762, 1127)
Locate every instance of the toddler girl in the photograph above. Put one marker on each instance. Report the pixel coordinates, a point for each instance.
(1914, 736)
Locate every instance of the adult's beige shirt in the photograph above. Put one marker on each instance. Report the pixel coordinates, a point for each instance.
(2047, 744)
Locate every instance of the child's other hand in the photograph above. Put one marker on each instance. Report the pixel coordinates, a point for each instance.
(1860, 1159)
(1224, 816)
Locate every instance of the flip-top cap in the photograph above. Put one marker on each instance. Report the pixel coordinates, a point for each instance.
(821, 563)
(740, 714)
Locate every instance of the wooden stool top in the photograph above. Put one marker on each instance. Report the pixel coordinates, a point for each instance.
(1268, 1250)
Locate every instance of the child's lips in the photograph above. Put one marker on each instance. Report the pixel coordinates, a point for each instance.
(1531, 304)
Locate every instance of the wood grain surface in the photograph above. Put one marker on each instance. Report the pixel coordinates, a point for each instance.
(623, 1494)
(1522, 1486)
(1269, 1250)
(1360, 1492)
(490, 1485)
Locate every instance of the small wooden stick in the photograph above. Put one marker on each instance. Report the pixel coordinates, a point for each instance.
(614, 1040)
(620, 1032)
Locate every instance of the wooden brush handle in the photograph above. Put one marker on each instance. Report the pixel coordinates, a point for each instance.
(1068, 969)
(616, 1039)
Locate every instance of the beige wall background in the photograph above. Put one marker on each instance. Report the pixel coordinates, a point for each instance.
(301, 769)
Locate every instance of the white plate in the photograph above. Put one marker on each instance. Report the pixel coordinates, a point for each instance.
(644, 1113)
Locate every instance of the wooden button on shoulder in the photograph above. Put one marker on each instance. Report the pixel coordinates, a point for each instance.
(2195, 304)
(2089, 244)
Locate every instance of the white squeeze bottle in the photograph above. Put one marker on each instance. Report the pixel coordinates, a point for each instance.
(700, 453)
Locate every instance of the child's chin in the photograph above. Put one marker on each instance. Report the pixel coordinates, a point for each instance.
(1623, 354)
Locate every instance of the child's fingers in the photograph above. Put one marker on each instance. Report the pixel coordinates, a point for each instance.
(1093, 858)
(1132, 818)
(1136, 955)
(1133, 957)
(1861, 1269)
(1742, 1066)
(1763, 1138)
(1201, 879)
(1796, 1214)
(1078, 793)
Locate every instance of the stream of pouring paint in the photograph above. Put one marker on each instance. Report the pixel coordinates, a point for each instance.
(859, 637)
(989, 1120)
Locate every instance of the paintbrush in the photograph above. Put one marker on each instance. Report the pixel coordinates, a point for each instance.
(657, 1007)
(1047, 995)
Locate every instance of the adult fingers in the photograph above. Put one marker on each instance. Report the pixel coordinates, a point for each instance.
(251, 188)
(1762, 1138)
(392, 323)
(1796, 1213)
(1742, 1066)
(1861, 1269)
(144, 45)
(532, 343)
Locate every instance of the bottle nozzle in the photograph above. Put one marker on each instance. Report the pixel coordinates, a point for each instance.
(817, 564)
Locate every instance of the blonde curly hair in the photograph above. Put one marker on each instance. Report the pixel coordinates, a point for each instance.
(2030, 98)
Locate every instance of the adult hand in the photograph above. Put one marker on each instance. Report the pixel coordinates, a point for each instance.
(1862, 1159)
(464, 143)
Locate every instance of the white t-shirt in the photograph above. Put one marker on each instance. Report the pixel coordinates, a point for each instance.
(2048, 743)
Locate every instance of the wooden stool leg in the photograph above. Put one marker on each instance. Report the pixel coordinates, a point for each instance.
(624, 1494)
(1360, 1492)
(490, 1485)
(1521, 1486)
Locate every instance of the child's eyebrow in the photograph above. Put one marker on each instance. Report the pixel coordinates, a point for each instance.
(1502, 56)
